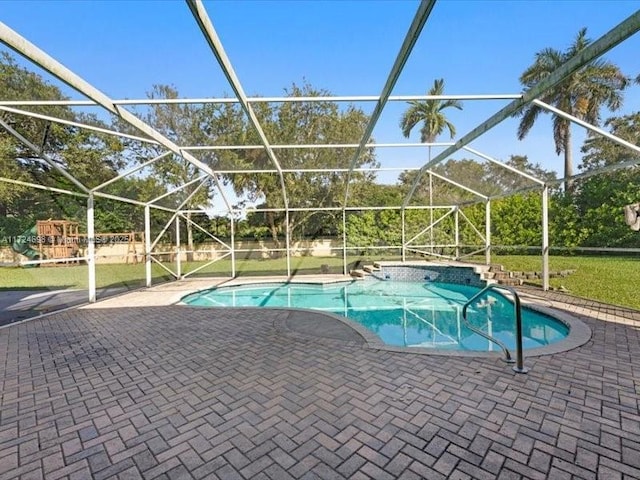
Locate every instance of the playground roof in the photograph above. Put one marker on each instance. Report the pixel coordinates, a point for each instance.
(618, 33)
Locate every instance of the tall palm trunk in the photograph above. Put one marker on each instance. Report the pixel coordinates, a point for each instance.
(190, 248)
(273, 228)
(568, 162)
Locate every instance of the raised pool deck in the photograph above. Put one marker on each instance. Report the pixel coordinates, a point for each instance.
(138, 387)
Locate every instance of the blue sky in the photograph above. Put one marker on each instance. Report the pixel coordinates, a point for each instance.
(347, 47)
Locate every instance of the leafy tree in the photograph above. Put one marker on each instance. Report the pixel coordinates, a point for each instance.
(507, 181)
(599, 199)
(367, 228)
(600, 151)
(301, 123)
(370, 228)
(582, 94)
(516, 220)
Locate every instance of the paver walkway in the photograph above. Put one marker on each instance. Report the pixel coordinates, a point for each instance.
(177, 392)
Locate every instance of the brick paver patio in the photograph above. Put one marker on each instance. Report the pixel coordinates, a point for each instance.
(176, 392)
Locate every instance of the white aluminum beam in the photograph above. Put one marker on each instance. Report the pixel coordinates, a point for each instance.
(178, 252)
(419, 20)
(210, 34)
(49, 161)
(206, 265)
(591, 173)
(86, 126)
(344, 242)
(545, 238)
(459, 185)
(227, 100)
(232, 231)
(177, 212)
(91, 250)
(129, 200)
(334, 209)
(605, 43)
(403, 234)
(177, 189)
(206, 232)
(321, 170)
(587, 125)
(314, 145)
(25, 48)
(167, 269)
(130, 171)
(472, 225)
(504, 165)
(43, 187)
(147, 245)
(288, 242)
(433, 224)
(456, 219)
(487, 232)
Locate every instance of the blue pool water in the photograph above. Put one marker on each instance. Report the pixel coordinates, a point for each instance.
(411, 314)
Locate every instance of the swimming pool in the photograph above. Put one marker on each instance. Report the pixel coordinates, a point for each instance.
(401, 314)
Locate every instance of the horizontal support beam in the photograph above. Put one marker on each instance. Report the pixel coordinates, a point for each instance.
(320, 170)
(320, 145)
(130, 171)
(459, 185)
(131, 201)
(85, 126)
(43, 187)
(503, 165)
(227, 100)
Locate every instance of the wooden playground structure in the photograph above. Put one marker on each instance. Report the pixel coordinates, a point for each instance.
(61, 239)
(57, 239)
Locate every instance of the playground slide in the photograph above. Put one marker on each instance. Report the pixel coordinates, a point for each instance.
(22, 245)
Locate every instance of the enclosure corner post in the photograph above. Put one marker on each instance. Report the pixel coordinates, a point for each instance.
(91, 249)
(430, 209)
(457, 232)
(404, 247)
(147, 244)
(545, 238)
(233, 245)
(288, 245)
(178, 253)
(344, 241)
(487, 231)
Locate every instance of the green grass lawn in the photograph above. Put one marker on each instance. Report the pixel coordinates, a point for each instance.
(613, 280)
(606, 279)
(107, 275)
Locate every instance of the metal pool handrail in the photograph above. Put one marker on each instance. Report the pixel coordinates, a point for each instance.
(519, 362)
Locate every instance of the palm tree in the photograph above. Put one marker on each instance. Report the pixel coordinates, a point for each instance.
(434, 123)
(582, 94)
(430, 113)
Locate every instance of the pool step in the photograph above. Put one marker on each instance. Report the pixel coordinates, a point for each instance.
(358, 274)
(498, 274)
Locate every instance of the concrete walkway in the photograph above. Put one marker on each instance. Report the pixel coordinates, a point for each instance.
(128, 389)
